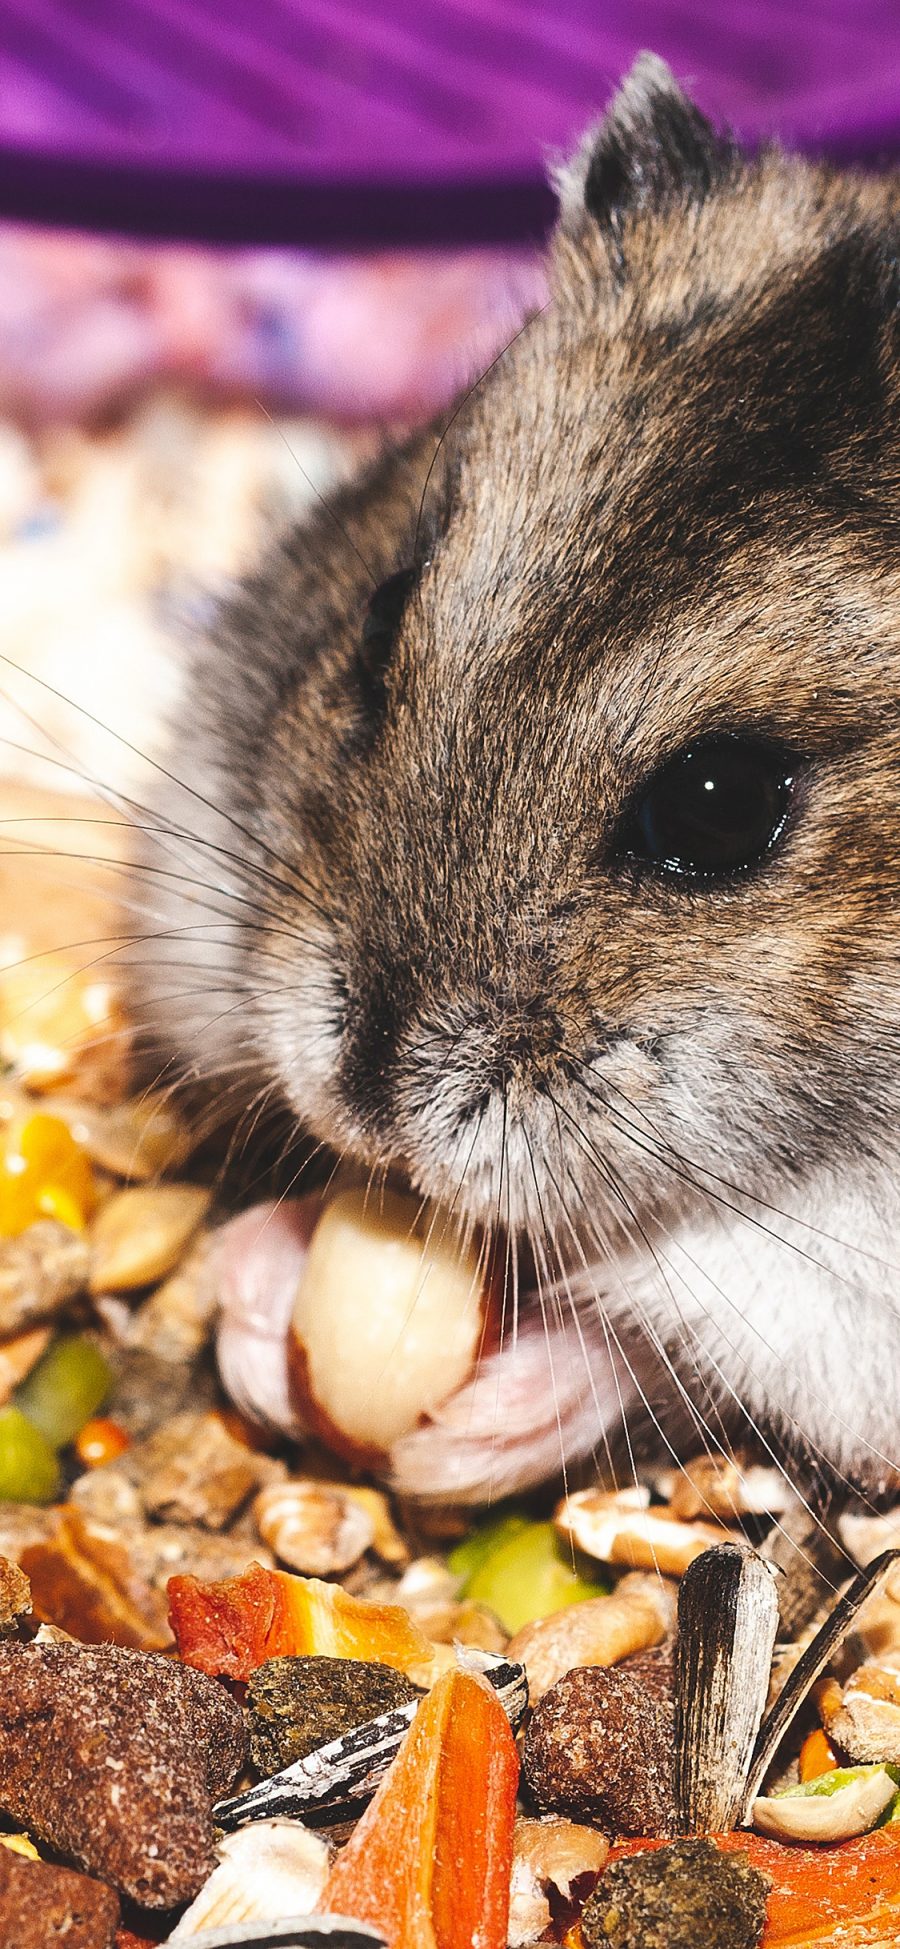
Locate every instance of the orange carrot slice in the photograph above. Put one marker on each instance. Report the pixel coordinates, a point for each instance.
(229, 1628)
(430, 1861)
(817, 1756)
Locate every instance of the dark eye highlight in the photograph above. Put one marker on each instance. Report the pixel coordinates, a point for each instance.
(379, 630)
(715, 809)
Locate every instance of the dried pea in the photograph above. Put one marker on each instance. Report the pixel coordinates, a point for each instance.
(521, 1571)
(66, 1388)
(28, 1467)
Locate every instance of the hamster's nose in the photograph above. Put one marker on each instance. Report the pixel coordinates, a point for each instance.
(451, 1051)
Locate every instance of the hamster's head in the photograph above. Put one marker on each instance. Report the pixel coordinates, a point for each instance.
(578, 832)
(596, 794)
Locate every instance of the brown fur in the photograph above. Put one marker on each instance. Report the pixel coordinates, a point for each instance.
(670, 510)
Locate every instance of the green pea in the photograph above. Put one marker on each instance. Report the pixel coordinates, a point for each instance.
(69, 1384)
(468, 1556)
(28, 1466)
(526, 1573)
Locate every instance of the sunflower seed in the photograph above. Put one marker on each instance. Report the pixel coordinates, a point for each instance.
(727, 1620)
(337, 1776)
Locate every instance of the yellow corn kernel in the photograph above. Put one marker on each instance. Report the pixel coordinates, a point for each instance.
(57, 1203)
(44, 1173)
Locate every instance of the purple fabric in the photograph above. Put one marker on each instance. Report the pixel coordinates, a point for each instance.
(342, 123)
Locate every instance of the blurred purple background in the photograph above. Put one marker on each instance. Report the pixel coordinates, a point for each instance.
(337, 123)
(335, 206)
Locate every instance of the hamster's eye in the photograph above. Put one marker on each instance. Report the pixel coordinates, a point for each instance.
(380, 625)
(714, 809)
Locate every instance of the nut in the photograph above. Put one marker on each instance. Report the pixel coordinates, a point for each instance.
(601, 1631)
(387, 1321)
(648, 1539)
(864, 1718)
(550, 1854)
(724, 1487)
(312, 1527)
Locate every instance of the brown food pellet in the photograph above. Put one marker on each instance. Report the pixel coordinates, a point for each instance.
(42, 1904)
(654, 1669)
(115, 1758)
(678, 1897)
(297, 1704)
(600, 1747)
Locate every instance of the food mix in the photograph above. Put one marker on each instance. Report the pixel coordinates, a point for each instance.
(249, 1696)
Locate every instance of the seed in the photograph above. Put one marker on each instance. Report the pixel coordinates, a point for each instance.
(312, 1527)
(140, 1235)
(265, 1872)
(727, 1621)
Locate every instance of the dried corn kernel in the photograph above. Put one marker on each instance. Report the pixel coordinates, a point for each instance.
(44, 1173)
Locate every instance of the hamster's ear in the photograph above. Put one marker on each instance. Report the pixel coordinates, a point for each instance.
(652, 148)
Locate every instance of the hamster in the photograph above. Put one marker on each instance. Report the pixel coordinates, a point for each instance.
(530, 830)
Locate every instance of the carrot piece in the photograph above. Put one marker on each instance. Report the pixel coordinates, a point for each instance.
(430, 1861)
(817, 1756)
(844, 1897)
(229, 1628)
